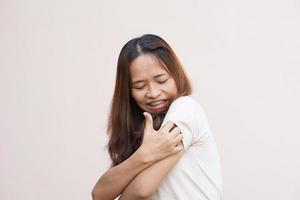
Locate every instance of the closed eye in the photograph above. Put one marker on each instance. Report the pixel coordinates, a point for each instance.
(139, 88)
(163, 81)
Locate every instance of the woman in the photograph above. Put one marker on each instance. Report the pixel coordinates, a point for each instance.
(160, 142)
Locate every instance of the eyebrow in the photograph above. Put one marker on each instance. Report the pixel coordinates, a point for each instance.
(156, 76)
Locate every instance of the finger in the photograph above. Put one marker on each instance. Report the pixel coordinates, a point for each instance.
(168, 126)
(175, 131)
(178, 139)
(178, 148)
(148, 121)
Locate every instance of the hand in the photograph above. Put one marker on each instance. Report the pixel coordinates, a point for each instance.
(157, 145)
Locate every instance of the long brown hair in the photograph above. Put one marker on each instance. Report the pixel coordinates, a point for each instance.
(126, 120)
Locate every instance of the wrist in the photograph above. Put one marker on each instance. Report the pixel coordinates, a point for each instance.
(143, 157)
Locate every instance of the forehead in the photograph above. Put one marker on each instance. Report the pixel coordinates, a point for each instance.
(146, 66)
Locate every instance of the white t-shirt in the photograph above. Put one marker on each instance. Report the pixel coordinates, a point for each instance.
(197, 175)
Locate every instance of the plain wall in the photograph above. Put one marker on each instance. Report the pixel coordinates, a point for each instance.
(57, 70)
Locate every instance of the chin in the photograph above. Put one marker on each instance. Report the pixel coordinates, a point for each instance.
(160, 112)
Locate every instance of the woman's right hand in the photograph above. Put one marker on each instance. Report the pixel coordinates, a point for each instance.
(157, 145)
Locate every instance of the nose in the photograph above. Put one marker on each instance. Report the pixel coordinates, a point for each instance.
(153, 92)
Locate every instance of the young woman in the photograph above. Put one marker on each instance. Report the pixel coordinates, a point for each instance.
(160, 143)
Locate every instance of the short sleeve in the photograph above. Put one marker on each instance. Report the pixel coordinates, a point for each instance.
(188, 115)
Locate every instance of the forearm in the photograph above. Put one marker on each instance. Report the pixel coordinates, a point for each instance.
(115, 180)
(146, 183)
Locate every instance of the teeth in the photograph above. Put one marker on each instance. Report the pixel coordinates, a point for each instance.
(155, 103)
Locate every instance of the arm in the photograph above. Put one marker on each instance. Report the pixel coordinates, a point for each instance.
(147, 182)
(182, 113)
(154, 147)
(115, 180)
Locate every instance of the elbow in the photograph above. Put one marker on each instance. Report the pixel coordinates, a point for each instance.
(142, 192)
(141, 195)
(96, 194)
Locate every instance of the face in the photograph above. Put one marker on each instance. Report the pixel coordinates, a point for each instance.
(152, 87)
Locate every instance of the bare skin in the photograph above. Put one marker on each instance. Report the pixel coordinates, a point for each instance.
(156, 146)
(143, 186)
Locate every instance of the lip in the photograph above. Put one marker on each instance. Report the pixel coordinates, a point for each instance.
(160, 106)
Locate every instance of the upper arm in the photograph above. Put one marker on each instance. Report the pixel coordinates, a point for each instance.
(147, 182)
(188, 115)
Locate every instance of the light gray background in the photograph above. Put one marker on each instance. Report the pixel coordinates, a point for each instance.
(57, 70)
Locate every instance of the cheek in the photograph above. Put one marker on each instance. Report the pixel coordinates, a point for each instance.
(172, 88)
(137, 96)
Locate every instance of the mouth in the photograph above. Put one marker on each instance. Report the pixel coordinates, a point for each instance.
(158, 105)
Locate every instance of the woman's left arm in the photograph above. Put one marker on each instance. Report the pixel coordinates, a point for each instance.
(186, 115)
(146, 182)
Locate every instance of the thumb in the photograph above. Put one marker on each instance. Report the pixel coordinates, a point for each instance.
(148, 121)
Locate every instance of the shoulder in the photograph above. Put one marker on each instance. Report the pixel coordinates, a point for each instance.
(189, 116)
(186, 107)
(187, 104)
